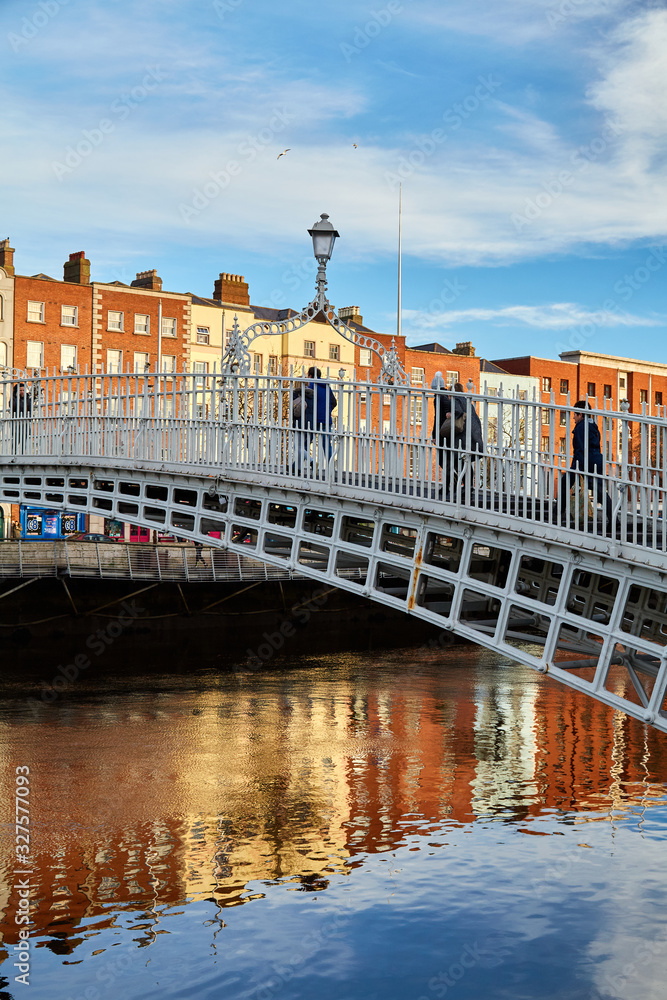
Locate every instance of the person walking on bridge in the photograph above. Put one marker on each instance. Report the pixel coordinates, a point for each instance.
(448, 425)
(586, 458)
(318, 417)
(21, 409)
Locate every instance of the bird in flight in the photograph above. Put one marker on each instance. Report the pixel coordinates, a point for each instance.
(283, 152)
(355, 145)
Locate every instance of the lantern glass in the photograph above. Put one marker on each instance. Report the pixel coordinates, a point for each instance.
(324, 236)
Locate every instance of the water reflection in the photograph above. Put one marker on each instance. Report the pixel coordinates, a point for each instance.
(246, 788)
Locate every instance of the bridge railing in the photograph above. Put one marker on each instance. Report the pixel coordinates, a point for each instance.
(375, 439)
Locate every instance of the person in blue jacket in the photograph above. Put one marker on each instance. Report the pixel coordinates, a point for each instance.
(586, 457)
(320, 403)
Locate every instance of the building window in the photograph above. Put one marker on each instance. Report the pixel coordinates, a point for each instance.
(622, 380)
(169, 363)
(35, 312)
(309, 348)
(114, 361)
(69, 316)
(606, 392)
(386, 424)
(200, 368)
(564, 386)
(168, 326)
(334, 352)
(35, 354)
(563, 418)
(561, 446)
(546, 384)
(141, 361)
(522, 394)
(451, 378)
(273, 364)
(141, 323)
(257, 364)
(658, 399)
(416, 410)
(643, 395)
(365, 357)
(67, 356)
(114, 320)
(3, 354)
(546, 416)
(203, 335)
(590, 389)
(491, 391)
(418, 376)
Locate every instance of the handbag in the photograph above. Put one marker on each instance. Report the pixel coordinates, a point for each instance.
(296, 407)
(446, 427)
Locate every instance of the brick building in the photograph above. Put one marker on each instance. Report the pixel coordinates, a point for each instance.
(53, 318)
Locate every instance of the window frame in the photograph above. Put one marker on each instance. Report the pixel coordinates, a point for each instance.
(566, 383)
(121, 315)
(147, 331)
(32, 343)
(117, 370)
(73, 325)
(308, 346)
(71, 347)
(334, 352)
(546, 383)
(203, 335)
(144, 354)
(34, 302)
(174, 328)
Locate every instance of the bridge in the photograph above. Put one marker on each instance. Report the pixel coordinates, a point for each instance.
(491, 547)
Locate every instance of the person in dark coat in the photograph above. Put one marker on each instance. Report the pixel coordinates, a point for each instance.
(586, 457)
(447, 441)
(320, 404)
(21, 408)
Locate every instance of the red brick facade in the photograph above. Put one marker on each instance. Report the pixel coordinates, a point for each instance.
(47, 298)
(138, 311)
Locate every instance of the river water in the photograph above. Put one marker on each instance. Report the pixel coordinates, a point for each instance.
(416, 824)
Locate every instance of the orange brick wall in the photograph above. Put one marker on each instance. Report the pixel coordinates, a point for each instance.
(129, 302)
(53, 294)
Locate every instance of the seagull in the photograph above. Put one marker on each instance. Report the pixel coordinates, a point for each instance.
(283, 152)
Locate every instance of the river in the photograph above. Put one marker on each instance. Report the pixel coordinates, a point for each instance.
(414, 823)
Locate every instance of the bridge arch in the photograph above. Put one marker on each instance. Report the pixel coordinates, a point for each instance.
(591, 619)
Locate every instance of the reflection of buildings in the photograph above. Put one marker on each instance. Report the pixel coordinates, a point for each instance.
(146, 801)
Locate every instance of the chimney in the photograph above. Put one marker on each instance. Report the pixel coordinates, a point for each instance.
(466, 349)
(352, 314)
(147, 279)
(232, 289)
(77, 269)
(7, 257)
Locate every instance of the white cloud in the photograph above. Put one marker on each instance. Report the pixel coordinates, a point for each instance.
(551, 316)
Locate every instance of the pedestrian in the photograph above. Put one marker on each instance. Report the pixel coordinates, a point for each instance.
(198, 554)
(448, 424)
(586, 458)
(320, 403)
(21, 410)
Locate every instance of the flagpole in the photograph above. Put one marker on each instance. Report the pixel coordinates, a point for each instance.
(398, 317)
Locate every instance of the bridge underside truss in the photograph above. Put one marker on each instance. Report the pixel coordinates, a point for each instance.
(592, 621)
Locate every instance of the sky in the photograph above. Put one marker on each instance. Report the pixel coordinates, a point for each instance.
(529, 137)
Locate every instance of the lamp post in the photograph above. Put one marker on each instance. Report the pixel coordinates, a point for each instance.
(236, 358)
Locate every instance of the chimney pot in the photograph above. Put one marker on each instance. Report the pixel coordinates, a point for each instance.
(147, 279)
(232, 289)
(7, 257)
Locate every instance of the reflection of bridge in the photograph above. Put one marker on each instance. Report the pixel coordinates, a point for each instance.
(218, 459)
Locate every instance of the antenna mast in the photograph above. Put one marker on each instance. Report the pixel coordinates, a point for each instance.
(398, 316)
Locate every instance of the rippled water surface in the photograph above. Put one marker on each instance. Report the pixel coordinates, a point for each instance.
(417, 824)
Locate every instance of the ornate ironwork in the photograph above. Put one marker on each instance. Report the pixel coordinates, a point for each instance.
(236, 359)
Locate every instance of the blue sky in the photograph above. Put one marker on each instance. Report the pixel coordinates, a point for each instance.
(530, 138)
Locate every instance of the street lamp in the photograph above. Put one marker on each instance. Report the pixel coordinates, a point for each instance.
(236, 358)
(324, 236)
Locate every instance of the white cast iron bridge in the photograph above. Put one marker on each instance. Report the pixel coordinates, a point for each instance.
(490, 554)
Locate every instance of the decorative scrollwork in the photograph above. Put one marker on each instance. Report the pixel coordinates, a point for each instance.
(236, 358)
